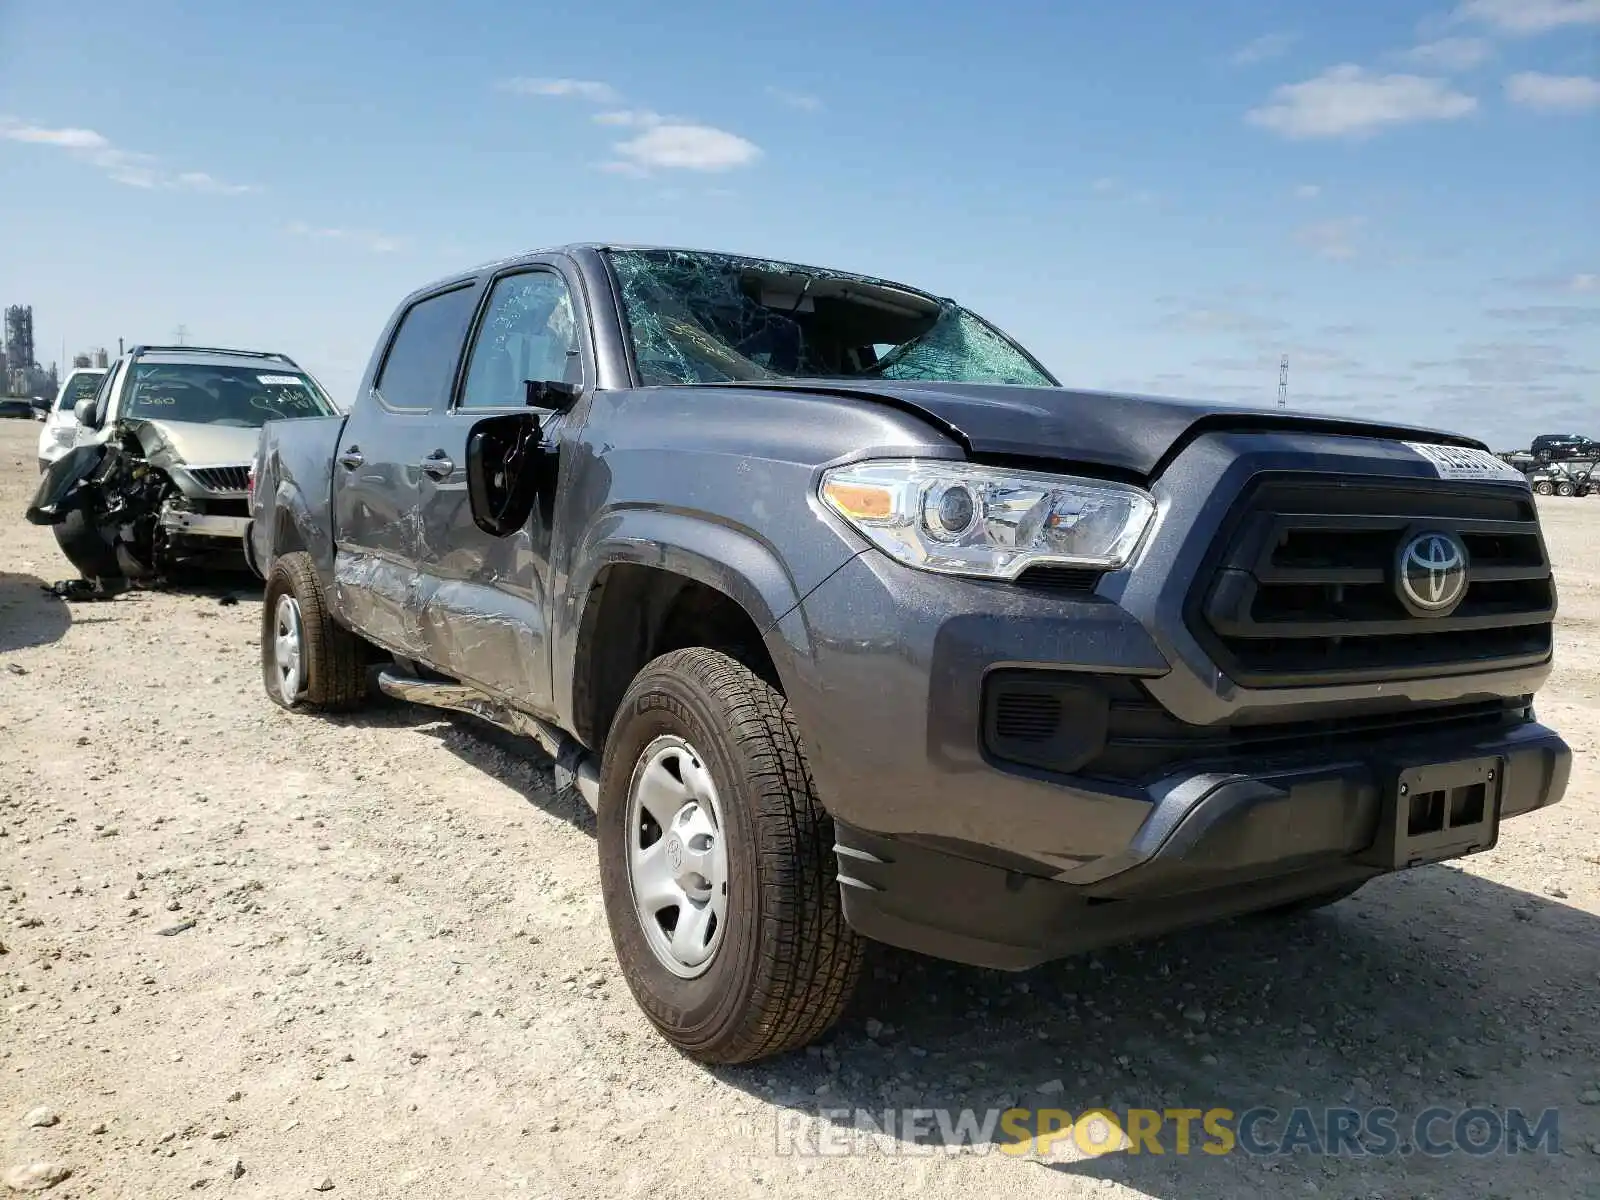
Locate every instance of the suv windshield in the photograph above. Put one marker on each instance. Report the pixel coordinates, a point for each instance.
(718, 318)
(79, 386)
(221, 395)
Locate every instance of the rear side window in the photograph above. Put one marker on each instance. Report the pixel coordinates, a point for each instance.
(421, 364)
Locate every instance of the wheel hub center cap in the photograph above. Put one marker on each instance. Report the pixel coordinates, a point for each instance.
(675, 853)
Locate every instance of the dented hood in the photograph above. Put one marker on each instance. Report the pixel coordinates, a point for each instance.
(189, 443)
(1124, 432)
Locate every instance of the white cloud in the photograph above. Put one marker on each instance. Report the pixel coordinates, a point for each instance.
(366, 239)
(1267, 46)
(127, 167)
(199, 181)
(1104, 184)
(1308, 191)
(579, 89)
(1553, 93)
(1334, 239)
(688, 147)
(641, 117)
(1450, 54)
(1525, 17)
(803, 101)
(1348, 101)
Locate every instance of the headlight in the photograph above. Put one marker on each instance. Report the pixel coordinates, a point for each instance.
(64, 435)
(962, 519)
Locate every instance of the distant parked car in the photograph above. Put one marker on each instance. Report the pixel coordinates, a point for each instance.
(1556, 447)
(16, 406)
(60, 426)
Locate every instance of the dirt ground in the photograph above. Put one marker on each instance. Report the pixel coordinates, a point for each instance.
(267, 955)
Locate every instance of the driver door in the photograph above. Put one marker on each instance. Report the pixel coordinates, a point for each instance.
(484, 599)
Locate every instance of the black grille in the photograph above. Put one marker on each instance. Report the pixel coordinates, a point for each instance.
(1062, 580)
(1302, 588)
(1026, 717)
(1111, 728)
(1144, 741)
(222, 479)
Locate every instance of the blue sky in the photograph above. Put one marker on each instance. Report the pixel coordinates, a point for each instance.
(1403, 197)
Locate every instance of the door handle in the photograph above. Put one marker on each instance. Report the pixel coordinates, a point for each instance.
(352, 458)
(437, 465)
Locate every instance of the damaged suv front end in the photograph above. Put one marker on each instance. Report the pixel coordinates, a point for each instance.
(159, 476)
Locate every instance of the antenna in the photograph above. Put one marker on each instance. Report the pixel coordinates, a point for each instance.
(180, 334)
(1283, 382)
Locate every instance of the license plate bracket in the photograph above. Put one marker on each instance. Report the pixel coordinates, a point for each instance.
(1437, 811)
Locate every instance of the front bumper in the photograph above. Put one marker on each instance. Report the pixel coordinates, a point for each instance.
(1213, 845)
(192, 524)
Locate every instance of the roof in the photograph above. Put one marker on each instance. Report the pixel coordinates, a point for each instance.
(581, 249)
(210, 356)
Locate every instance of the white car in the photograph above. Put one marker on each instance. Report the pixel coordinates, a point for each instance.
(60, 426)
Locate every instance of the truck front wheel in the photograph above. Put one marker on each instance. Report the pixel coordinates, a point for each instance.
(716, 864)
(307, 660)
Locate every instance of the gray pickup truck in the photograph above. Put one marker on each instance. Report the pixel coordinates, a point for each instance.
(852, 623)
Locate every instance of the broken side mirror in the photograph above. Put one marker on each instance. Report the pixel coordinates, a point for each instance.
(552, 394)
(83, 412)
(508, 470)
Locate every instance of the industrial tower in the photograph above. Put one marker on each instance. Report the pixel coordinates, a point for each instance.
(1283, 382)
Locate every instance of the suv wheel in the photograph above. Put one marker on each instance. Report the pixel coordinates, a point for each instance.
(717, 866)
(307, 661)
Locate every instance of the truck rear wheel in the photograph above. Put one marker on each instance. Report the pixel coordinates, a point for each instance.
(307, 661)
(716, 864)
(1544, 487)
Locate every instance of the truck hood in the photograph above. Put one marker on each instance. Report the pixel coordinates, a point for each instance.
(1125, 432)
(189, 443)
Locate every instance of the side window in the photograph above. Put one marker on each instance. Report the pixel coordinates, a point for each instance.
(529, 331)
(421, 363)
(108, 386)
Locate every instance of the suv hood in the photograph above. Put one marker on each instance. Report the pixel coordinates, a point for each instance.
(1125, 432)
(189, 443)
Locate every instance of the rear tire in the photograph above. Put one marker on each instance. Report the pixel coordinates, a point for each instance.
(776, 969)
(1543, 487)
(1563, 489)
(308, 662)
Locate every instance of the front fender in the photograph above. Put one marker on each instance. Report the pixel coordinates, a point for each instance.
(730, 558)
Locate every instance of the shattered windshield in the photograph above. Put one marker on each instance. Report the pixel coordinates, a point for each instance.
(717, 318)
(221, 395)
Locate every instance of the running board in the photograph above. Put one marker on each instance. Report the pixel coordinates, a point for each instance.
(574, 766)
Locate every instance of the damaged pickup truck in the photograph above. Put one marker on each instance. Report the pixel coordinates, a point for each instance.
(853, 623)
(156, 479)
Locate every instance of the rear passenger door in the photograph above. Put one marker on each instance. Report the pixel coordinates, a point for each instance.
(485, 598)
(378, 467)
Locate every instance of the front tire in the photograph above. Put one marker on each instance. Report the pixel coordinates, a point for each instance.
(308, 662)
(86, 547)
(708, 816)
(1563, 489)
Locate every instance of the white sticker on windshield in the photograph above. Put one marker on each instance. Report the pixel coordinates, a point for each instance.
(1463, 462)
(280, 380)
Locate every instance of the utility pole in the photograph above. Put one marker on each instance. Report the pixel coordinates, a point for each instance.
(181, 333)
(119, 347)
(1283, 382)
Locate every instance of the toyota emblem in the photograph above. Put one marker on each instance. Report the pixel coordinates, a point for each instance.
(1431, 574)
